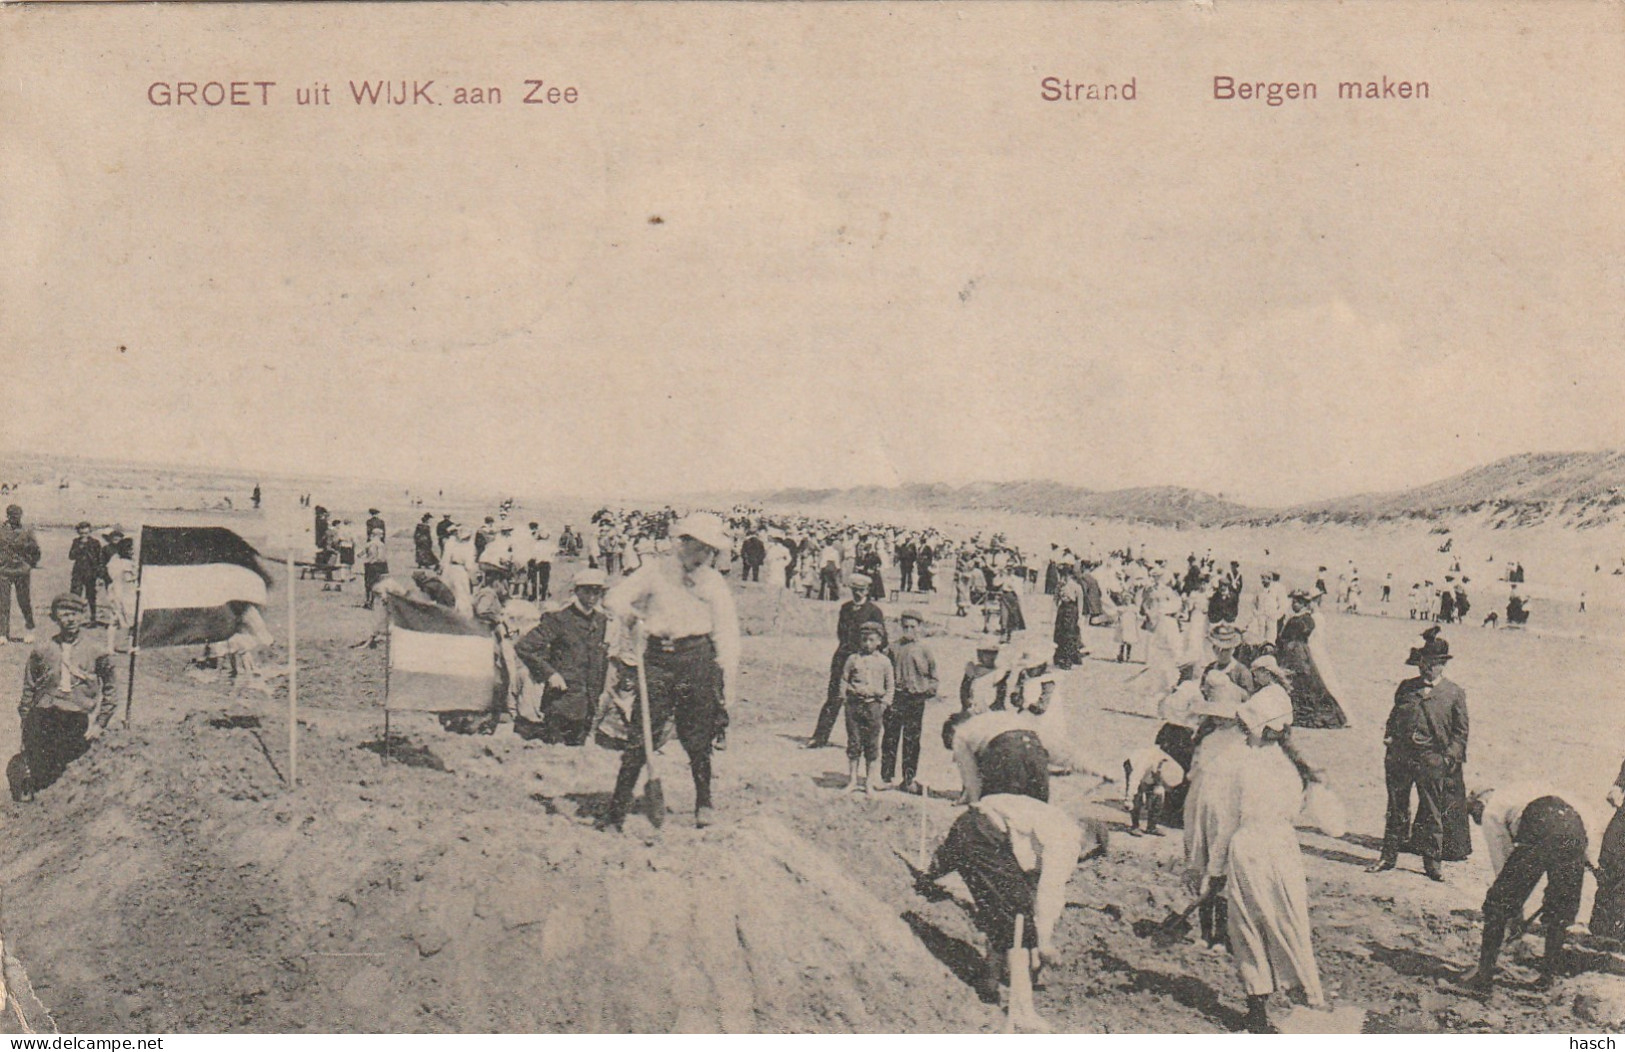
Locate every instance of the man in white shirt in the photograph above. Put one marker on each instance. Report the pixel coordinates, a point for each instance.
(682, 607)
(1531, 832)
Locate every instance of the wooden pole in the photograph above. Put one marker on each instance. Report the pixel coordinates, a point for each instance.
(135, 643)
(293, 675)
(389, 635)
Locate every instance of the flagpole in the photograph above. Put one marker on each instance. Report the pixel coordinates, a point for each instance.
(135, 637)
(293, 676)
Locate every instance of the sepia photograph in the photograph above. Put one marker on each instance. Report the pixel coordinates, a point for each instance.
(812, 518)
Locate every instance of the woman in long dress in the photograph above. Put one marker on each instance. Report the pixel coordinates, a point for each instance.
(1167, 647)
(1068, 611)
(1265, 889)
(1313, 702)
(121, 575)
(1211, 808)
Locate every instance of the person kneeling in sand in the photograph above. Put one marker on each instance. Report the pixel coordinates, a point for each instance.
(1015, 855)
(67, 678)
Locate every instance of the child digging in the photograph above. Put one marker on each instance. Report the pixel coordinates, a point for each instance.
(869, 685)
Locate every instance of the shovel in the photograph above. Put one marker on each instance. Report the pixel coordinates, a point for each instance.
(1176, 926)
(654, 793)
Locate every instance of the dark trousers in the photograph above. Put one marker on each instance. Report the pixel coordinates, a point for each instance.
(979, 851)
(371, 574)
(902, 726)
(863, 720)
(753, 572)
(24, 603)
(1551, 843)
(685, 685)
(832, 698)
(1426, 837)
(84, 584)
(829, 583)
(906, 583)
(537, 575)
(52, 739)
(1608, 910)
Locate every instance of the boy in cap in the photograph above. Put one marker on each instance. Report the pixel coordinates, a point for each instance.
(855, 613)
(85, 553)
(915, 670)
(67, 677)
(867, 687)
(568, 654)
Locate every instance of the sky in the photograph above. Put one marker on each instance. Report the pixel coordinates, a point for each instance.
(817, 245)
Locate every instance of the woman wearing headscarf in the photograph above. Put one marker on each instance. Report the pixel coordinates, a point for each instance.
(1265, 889)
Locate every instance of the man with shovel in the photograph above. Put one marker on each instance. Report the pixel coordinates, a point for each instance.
(680, 607)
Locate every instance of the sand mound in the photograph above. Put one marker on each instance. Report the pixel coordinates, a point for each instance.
(175, 885)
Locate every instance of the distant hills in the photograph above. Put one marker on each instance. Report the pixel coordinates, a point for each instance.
(1576, 489)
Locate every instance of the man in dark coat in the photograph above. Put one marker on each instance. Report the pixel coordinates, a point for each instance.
(567, 654)
(906, 554)
(19, 558)
(752, 554)
(855, 613)
(1426, 741)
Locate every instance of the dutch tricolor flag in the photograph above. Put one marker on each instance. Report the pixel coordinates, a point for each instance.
(439, 660)
(193, 580)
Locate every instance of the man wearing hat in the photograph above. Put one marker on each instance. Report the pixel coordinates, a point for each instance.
(67, 677)
(567, 654)
(375, 521)
(1224, 638)
(855, 613)
(1426, 739)
(681, 606)
(19, 557)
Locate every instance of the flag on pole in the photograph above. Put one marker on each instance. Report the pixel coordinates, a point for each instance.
(189, 578)
(439, 660)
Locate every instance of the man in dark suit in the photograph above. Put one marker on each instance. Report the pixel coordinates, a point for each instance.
(855, 613)
(1426, 743)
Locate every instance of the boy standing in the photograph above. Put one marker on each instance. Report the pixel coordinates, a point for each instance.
(86, 555)
(914, 670)
(868, 686)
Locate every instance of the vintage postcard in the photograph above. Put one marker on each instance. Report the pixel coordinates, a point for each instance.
(812, 517)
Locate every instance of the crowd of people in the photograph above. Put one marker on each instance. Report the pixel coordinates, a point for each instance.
(645, 646)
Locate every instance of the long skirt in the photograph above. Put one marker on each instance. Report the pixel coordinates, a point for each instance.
(1312, 704)
(1269, 912)
(1010, 604)
(1068, 635)
(1608, 910)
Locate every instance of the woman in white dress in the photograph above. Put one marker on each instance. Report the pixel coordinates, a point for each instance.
(1266, 890)
(458, 568)
(121, 593)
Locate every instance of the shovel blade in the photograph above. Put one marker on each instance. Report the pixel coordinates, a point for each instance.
(654, 795)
